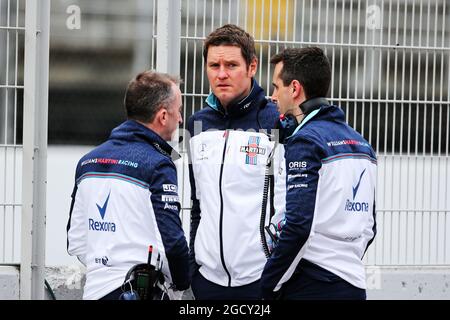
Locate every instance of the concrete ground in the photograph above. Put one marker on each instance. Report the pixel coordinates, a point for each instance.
(383, 283)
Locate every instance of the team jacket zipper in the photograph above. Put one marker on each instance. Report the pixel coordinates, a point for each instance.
(222, 258)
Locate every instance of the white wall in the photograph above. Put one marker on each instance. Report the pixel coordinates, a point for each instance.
(62, 161)
(413, 195)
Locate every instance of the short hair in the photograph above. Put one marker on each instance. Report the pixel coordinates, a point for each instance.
(309, 66)
(147, 93)
(231, 35)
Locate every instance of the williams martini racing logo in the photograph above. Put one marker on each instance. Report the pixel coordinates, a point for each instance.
(252, 150)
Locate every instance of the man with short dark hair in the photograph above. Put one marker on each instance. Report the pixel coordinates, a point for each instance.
(229, 171)
(330, 188)
(125, 197)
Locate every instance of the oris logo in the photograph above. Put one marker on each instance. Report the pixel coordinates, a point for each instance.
(297, 165)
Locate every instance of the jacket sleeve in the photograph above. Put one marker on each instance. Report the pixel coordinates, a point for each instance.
(302, 165)
(166, 205)
(76, 228)
(370, 232)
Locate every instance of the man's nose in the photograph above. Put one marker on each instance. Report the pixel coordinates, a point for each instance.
(222, 73)
(274, 98)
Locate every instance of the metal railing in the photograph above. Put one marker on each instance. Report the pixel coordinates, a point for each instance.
(24, 28)
(391, 76)
(12, 32)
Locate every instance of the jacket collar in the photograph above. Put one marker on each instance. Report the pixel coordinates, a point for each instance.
(325, 112)
(238, 108)
(132, 130)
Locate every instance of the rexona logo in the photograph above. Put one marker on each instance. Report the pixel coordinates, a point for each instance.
(102, 225)
(354, 206)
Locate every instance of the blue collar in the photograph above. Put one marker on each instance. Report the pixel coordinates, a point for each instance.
(131, 130)
(304, 121)
(236, 108)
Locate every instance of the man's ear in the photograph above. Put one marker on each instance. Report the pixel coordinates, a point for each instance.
(253, 67)
(297, 89)
(161, 116)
